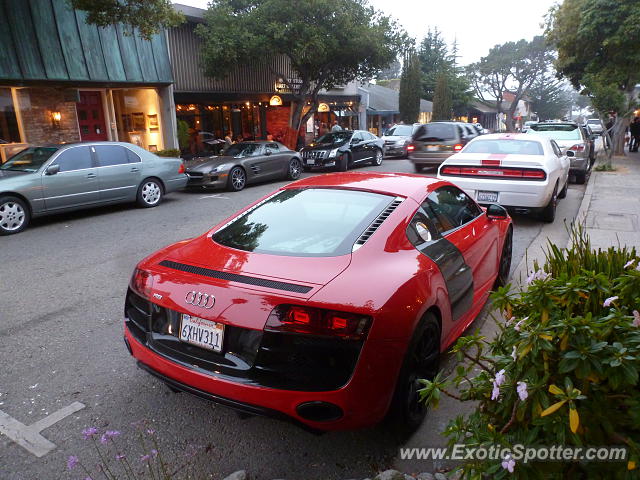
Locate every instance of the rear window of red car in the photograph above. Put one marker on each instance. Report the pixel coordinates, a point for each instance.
(314, 222)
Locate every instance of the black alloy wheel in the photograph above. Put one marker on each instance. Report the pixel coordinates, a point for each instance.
(237, 179)
(295, 169)
(548, 213)
(505, 260)
(421, 362)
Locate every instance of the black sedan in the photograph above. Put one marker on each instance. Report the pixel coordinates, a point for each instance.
(244, 163)
(342, 150)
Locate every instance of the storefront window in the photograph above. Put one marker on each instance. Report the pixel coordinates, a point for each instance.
(138, 118)
(9, 131)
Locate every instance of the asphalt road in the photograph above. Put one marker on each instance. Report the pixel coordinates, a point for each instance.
(63, 282)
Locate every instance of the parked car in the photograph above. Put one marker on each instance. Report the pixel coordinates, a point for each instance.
(527, 125)
(570, 137)
(434, 142)
(525, 172)
(397, 139)
(41, 180)
(596, 125)
(244, 163)
(323, 302)
(343, 150)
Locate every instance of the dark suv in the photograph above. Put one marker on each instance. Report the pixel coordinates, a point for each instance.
(342, 150)
(432, 143)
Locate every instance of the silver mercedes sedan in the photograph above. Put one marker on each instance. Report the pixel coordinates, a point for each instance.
(42, 180)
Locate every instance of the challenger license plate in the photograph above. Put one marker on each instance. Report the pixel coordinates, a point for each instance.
(487, 197)
(202, 332)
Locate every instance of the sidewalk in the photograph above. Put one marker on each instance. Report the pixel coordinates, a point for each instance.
(610, 208)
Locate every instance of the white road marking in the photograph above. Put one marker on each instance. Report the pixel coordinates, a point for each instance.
(28, 436)
(217, 195)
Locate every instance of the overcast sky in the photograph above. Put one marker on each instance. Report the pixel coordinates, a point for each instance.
(478, 25)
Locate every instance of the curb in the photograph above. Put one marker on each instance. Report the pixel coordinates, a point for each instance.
(581, 216)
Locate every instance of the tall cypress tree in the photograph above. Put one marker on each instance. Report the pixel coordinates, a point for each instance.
(409, 97)
(442, 98)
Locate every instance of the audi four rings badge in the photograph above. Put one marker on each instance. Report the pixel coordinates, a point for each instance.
(199, 299)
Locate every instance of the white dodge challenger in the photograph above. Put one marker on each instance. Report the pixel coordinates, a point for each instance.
(523, 172)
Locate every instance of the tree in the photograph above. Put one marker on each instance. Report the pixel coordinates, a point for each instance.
(511, 67)
(409, 96)
(391, 73)
(550, 98)
(147, 16)
(436, 60)
(325, 42)
(442, 98)
(598, 53)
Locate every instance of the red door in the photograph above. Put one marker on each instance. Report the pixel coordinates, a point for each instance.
(91, 117)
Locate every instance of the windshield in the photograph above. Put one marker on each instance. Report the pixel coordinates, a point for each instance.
(314, 222)
(516, 147)
(29, 159)
(243, 150)
(400, 130)
(435, 132)
(557, 132)
(335, 137)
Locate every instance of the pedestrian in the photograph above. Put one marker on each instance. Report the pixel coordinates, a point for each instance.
(336, 127)
(634, 130)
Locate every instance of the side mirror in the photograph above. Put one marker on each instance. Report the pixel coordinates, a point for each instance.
(52, 169)
(496, 212)
(570, 153)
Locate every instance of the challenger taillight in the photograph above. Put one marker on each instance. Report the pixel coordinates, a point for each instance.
(181, 168)
(495, 172)
(457, 147)
(317, 321)
(579, 147)
(142, 282)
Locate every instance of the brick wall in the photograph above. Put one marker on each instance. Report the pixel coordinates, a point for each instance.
(36, 105)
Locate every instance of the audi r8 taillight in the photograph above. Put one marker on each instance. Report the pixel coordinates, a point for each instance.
(142, 282)
(317, 321)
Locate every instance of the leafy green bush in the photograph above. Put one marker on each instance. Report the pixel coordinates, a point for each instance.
(170, 152)
(183, 134)
(563, 369)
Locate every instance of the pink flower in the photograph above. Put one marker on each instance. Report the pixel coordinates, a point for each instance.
(145, 458)
(508, 463)
(517, 325)
(522, 391)
(609, 301)
(89, 432)
(508, 322)
(108, 435)
(638, 267)
(636, 318)
(538, 275)
(513, 353)
(72, 461)
(630, 263)
(499, 380)
(120, 456)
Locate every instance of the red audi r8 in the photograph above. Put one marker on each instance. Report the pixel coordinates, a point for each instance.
(323, 302)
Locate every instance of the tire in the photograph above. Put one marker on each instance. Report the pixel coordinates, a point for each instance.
(343, 164)
(581, 177)
(377, 161)
(150, 193)
(14, 215)
(421, 361)
(563, 192)
(548, 213)
(295, 169)
(417, 168)
(504, 267)
(237, 179)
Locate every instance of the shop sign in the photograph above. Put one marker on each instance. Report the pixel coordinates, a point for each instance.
(275, 101)
(285, 87)
(323, 107)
